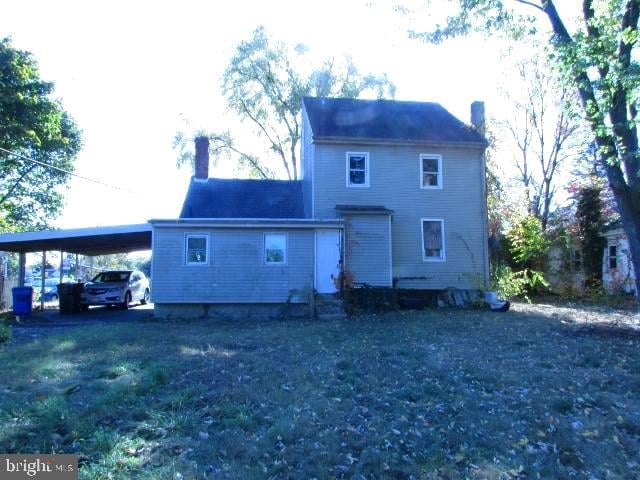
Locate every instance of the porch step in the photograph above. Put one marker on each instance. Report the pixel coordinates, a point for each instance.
(329, 307)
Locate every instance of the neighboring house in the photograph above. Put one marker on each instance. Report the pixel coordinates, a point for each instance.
(564, 270)
(391, 194)
(617, 269)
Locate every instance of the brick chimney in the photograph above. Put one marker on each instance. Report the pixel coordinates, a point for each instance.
(202, 158)
(477, 117)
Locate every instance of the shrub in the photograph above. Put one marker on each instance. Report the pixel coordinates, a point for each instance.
(5, 332)
(515, 284)
(528, 244)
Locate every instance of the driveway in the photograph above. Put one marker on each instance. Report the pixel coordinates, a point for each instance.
(51, 321)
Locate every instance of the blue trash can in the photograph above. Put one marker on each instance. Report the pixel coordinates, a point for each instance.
(22, 300)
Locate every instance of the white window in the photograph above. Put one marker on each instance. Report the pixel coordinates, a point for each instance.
(357, 169)
(433, 240)
(613, 257)
(275, 248)
(430, 171)
(196, 249)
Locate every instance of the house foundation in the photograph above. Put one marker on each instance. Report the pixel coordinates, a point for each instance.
(225, 311)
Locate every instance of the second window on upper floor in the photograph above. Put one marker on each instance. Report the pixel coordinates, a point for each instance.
(357, 169)
(430, 171)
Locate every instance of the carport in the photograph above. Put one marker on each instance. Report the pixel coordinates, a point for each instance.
(81, 241)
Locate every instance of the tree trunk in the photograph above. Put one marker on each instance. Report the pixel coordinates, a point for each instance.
(627, 202)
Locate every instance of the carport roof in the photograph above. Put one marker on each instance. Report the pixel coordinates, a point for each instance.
(85, 241)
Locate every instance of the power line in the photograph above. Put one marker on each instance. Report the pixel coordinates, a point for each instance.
(38, 162)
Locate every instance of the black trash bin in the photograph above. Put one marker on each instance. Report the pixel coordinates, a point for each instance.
(70, 295)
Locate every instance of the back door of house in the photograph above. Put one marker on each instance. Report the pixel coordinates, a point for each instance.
(327, 260)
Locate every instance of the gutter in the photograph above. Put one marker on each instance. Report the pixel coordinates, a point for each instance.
(297, 223)
(404, 142)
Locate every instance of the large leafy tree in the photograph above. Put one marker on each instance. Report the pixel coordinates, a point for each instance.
(596, 56)
(264, 87)
(35, 126)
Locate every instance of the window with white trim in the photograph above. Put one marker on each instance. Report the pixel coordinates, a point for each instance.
(357, 169)
(196, 249)
(430, 171)
(613, 257)
(432, 239)
(275, 248)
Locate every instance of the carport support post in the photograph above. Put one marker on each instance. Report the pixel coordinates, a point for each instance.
(61, 266)
(42, 274)
(22, 267)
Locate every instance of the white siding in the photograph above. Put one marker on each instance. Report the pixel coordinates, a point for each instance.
(395, 183)
(236, 272)
(621, 279)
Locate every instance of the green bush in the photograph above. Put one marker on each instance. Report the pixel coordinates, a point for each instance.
(528, 243)
(510, 284)
(5, 332)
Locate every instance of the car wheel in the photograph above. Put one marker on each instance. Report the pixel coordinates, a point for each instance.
(145, 297)
(127, 301)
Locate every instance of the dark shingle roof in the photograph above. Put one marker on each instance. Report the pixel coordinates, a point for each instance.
(222, 198)
(371, 209)
(386, 119)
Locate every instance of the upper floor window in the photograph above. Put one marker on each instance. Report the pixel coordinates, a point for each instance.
(612, 261)
(275, 248)
(357, 169)
(196, 249)
(432, 239)
(430, 171)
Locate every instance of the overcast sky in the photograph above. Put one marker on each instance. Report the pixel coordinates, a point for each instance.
(130, 72)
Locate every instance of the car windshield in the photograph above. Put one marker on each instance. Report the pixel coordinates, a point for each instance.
(105, 277)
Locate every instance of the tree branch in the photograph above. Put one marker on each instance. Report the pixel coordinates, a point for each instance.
(530, 4)
(16, 183)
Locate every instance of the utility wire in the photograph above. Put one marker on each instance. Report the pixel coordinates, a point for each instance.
(64, 171)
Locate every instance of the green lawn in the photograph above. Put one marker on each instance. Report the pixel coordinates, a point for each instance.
(435, 394)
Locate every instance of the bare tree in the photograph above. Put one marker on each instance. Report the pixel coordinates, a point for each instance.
(543, 134)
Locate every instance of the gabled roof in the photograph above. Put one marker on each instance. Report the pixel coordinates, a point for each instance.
(335, 118)
(223, 198)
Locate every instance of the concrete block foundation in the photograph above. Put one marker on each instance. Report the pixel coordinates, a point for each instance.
(223, 311)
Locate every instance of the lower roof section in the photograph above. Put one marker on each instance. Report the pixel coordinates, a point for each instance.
(85, 241)
(364, 209)
(246, 223)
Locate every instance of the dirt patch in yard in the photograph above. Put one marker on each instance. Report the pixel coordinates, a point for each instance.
(432, 394)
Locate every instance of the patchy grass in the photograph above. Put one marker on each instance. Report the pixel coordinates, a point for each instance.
(435, 394)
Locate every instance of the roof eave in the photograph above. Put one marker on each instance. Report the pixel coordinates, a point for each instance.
(394, 141)
(246, 222)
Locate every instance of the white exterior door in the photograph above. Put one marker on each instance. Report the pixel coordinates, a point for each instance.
(327, 260)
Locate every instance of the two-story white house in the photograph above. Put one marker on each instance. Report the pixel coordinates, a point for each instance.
(392, 194)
